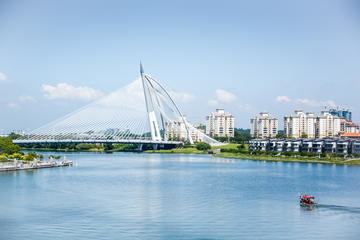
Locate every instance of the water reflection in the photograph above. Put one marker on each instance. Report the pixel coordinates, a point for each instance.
(154, 196)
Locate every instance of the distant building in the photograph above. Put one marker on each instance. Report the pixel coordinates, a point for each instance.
(300, 125)
(176, 130)
(317, 146)
(348, 126)
(343, 112)
(327, 125)
(350, 135)
(220, 124)
(264, 126)
(307, 125)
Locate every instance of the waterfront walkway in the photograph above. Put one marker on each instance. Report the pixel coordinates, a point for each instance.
(14, 166)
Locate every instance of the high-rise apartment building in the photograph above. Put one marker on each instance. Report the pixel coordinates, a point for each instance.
(264, 126)
(308, 125)
(300, 125)
(327, 125)
(176, 130)
(220, 124)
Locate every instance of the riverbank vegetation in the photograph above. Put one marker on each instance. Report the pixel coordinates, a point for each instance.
(10, 151)
(83, 147)
(7, 146)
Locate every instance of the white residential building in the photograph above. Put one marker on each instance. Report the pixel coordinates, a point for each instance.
(263, 126)
(327, 125)
(300, 124)
(308, 125)
(348, 126)
(220, 124)
(176, 130)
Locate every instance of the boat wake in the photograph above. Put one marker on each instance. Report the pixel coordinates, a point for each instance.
(340, 208)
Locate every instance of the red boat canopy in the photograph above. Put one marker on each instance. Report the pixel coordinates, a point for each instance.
(306, 196)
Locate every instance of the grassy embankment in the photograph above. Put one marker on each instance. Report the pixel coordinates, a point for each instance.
(193, 150)
(261, 156)
(281, 158)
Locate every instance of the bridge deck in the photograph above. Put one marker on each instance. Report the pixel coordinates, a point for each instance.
(124, 141)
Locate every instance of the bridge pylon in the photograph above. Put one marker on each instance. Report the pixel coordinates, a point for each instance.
(154, 125)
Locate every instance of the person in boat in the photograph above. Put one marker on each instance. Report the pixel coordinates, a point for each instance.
(307, 199)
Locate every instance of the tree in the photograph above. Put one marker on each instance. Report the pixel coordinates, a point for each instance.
(84, 146)
(14, 136)
(18, 156)
(3, 158)
(241, 136)
(242, 146)
(30, 156)
(280, 135)
(108, 147)
(7, 146)
(187, 144)
(202, 146)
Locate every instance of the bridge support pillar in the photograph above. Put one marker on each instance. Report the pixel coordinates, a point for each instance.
(155, 146)
(140, 147)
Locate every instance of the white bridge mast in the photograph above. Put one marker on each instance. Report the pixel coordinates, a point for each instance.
(154, 126)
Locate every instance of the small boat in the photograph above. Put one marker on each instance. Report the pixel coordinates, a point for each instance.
(307, 200)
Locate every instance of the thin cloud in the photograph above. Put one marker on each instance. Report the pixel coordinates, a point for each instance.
(306, 101)
(244, 107)
(224, 96)
(182, 97)
(3, 78)
(27, 98)
(67, 91)
(213, 103)
(315, 103)
(14, 106)
(282, 99)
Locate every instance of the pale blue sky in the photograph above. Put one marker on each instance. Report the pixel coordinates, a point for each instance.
(241, 55)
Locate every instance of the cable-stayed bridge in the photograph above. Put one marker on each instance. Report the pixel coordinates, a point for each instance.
(142, 112)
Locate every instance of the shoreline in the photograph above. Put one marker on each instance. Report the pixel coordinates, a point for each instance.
(349, 162)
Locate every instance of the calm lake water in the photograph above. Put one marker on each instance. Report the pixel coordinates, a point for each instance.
(153, 196)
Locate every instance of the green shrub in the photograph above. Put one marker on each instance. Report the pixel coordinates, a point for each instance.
(242, 146)
(187, 144)
(108, 147)
(30, 156)
(18, 156)
(202, 146)
(288, 154)
(3, 158)
(85, 146)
